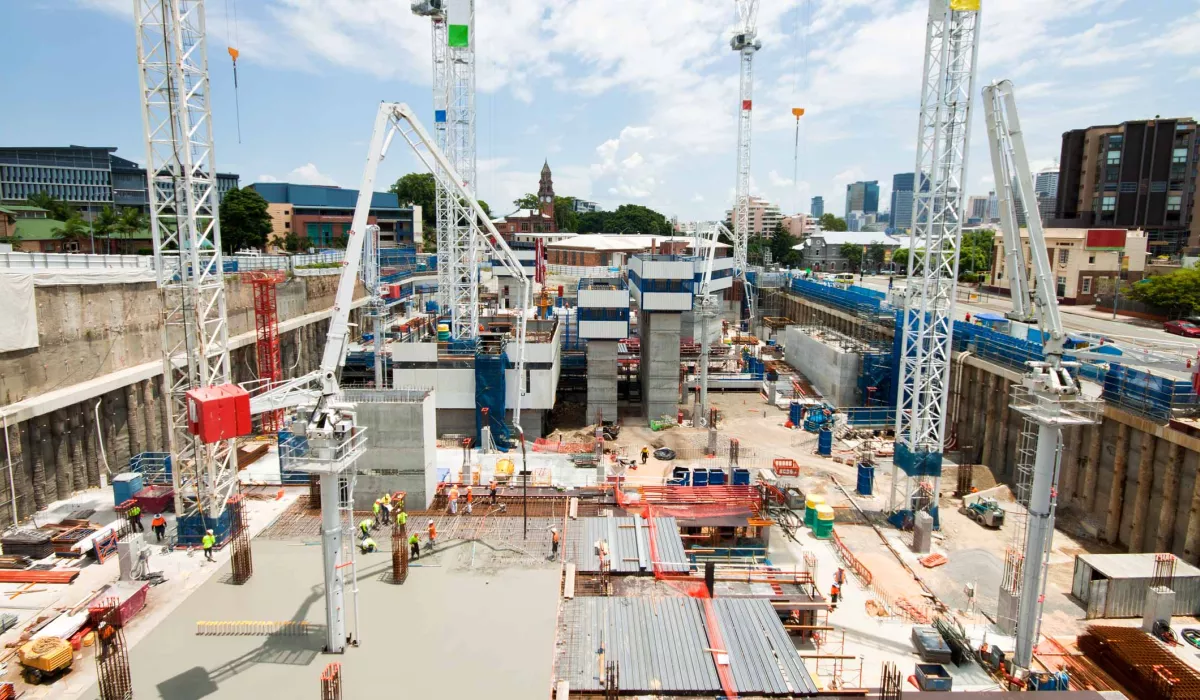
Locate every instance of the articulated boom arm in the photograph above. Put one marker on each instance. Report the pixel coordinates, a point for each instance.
(394, 118)
(1008, 147)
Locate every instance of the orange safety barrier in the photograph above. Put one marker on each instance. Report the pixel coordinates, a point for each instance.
(786, 467)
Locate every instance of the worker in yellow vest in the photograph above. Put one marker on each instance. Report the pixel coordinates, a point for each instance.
(401, 518)
(365, 526)
(207, 542)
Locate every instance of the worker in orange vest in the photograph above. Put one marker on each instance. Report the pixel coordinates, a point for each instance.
(553, 542)
(160, 526)
(492, 488)
(432, 534)
(470, 498)
(453, 496)
(835, 593)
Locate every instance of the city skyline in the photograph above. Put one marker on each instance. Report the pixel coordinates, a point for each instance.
(592, 103)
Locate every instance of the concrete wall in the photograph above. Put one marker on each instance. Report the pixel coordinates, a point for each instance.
(833, 371)
(659, 364)
(401, 452)
(601, 380)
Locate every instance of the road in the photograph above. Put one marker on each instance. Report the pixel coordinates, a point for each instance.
(1079, 319)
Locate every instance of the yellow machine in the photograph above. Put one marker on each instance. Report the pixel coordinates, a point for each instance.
(45, 658)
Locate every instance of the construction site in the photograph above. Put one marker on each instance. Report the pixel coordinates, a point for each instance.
(466, 474)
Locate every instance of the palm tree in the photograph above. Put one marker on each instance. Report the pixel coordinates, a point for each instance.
(104, 225)
(73, 229)
(131, 221)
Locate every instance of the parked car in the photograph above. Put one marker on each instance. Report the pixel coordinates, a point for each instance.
(1184, 328)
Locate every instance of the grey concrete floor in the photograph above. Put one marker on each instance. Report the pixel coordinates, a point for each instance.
(445, 633)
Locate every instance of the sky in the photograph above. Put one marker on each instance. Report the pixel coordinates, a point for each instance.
(630, 101)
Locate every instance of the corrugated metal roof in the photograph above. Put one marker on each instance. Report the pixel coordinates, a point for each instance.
(1137, 565)
(662, 646)
(762, 657)
(658, 644)
(628, 544)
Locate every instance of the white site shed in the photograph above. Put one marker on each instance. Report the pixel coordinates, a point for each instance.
(1114, 585)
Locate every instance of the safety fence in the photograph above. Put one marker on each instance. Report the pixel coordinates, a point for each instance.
(73, 261)
(855, 300)
(560, 447)
(880, 417)
(1152, 396)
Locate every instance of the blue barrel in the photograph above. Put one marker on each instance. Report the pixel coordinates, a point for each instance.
(825, 443)
(866, 479)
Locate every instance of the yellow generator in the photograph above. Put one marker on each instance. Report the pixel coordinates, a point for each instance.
(45, 658)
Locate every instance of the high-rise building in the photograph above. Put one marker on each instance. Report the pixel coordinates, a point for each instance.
(993, 207)
(764, 217)
(855, 220)
(862, 196)
(583, 206)
(1046, 182)
(977, 207)
(818, 207)
(1137, 174)
(88, 178)
(902, 201)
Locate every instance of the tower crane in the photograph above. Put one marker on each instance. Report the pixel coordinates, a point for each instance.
(334, 439)
(745, 42)
(182, 188)
(943, 138)
(436, 12)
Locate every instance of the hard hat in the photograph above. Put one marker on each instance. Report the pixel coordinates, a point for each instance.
(209, 532)
(553, 529)
(431, 521)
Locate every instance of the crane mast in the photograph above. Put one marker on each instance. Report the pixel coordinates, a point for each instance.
(182, 183)
(943, 138)
(436, 12)
(460, 151)
(746, 43)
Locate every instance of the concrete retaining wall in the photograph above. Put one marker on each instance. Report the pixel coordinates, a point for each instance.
(401, 448)
(833, 371)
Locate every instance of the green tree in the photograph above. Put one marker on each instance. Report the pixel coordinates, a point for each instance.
(876, 252)
(245, 222)
(59, 210)
(565, 216)
(594, 222)
(634, 218)
(73, 229)
(900, 259)
(853, 254)
(1178, 293)
(419, 189)
(829, 222)
(976, 252)
(484, 206)
(293, 244)
(527, 201)
(781, 243)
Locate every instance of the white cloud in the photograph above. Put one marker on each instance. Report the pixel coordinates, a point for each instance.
(308, 174)
(267, 178)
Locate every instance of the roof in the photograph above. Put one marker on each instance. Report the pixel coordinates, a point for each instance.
(662, 646)
(623, 242)
(1139, 565)
(853, 237)
(37, 229)
(628, 544)
(320, 196)
(522, 214)
(21, 207)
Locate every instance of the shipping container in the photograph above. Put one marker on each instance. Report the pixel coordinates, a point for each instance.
(1114, 585)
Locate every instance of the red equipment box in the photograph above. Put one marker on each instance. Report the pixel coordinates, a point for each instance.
(219, 412)
(156, 498)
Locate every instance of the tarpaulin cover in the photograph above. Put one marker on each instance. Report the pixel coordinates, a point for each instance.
(19, 331)
(490, 394)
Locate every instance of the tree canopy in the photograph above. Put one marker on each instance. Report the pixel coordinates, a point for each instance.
(73, 229)
(976, 252)
(419, 189)
(780, 244)
(1178, 293)
(628, 218)
(527, 201)
(876, 252)
(245, 222)
(565, 216)
(853, 254)
(829, 222)
(58, 209)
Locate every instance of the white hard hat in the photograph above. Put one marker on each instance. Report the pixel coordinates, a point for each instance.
(553, 529)
(431, 521)
(210, 532)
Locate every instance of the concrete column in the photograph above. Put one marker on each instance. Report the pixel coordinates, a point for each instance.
(660, 364)
(1116, 494)
(989, 424)
(38, 434)
(1170, 491)
(78, 426)
(91, 445)
(1070, 465)
(16, 453)
(136, 419)
(601, 380)
(1003, 454)
(1091, 467)
(108, 425)
(150, 417)
(1145, 484)
(60, 448)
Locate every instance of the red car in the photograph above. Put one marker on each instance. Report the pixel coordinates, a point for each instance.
(1184, 328)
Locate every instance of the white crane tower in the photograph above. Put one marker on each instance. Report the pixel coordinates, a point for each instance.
(453, 23)
(182, 182)
(943, 137)
(745, 42)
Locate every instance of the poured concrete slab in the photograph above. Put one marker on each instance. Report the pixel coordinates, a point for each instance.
(444, 633)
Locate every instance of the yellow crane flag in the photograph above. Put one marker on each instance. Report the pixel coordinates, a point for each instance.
(965, 5)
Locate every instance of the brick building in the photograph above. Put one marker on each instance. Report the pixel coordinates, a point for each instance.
(321, 215)
(540, 220)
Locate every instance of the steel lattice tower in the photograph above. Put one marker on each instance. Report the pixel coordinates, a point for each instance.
(434, 10)
(460, 151)
(744, 41)
(943, 137)
(182, 179)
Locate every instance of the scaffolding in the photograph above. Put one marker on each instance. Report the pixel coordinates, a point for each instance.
(239, 536)
(266, 325)
(399, 553)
